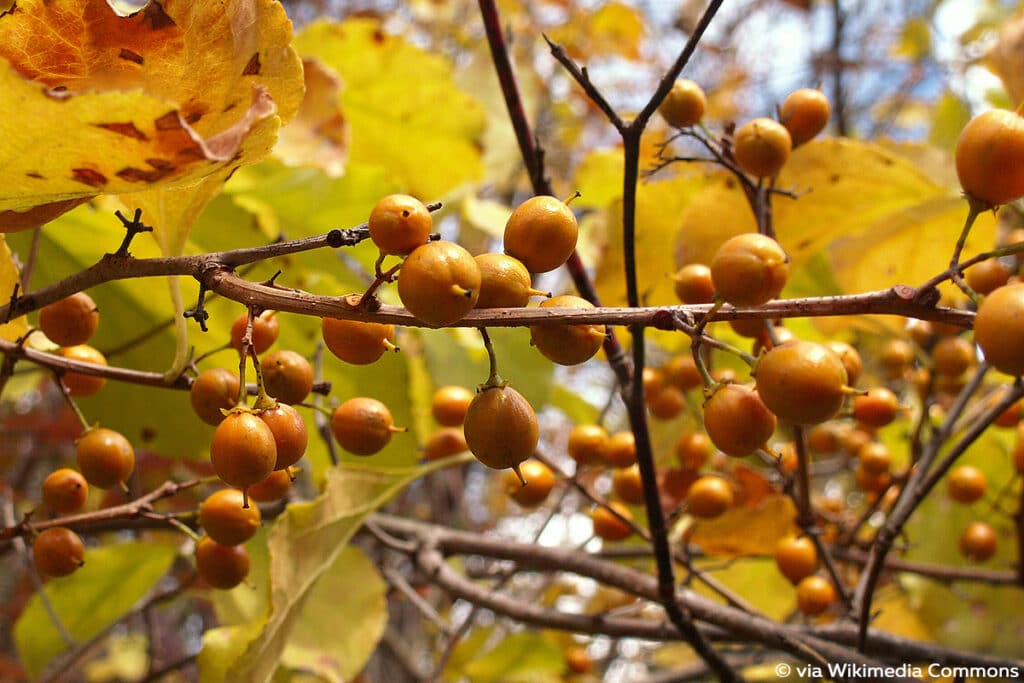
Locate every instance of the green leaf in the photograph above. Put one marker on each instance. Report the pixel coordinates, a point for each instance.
(113, 579)
(524, 657)
(305, 543)
(391, 95)
(337, 655)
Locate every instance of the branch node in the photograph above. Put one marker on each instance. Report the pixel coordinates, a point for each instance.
(132, 227)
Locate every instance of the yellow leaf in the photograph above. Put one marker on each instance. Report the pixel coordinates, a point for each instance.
(9, 278)
(895, 615)
(915, 41)
(406, 113)
(95, 102)
(747, 530)
(599, 178)
(1003, 57)
(318, 135)
(613, 29)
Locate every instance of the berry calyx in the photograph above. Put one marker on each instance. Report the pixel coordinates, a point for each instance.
(265, 329)
(762, 146)
(737, 421)
(542, 233)
(287, 376)
(567, 344)
(449, 404)
(58, 551)
(105, 457)
(749, 269)
(505, 282)
(221, 566)
(501, 428)
(357, 342)
(399, 224)
(65, 491)
(990, 157)
(71, 321)
(290, 434)
(684, 104)
(439, 282)
(225, 519)
(802, 382)
(79, 384)
(243, 450)
(363, 425)
(805, 113)
(212, 392)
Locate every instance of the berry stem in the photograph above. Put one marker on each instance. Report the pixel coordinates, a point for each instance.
(494, 379)
(72, 403)
(181, 526)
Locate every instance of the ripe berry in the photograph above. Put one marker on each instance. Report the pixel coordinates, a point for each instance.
(221, 566)
(65, 491)
(588, 444)
(709, 497)
(693, 284)
(674, 484)
(357, 342)
(667, 403)
(70, 321)
(966, 484)
(628, 485)
(990, 157)
(987, 276)
(850, 357)
(578, 661)
(539, 482)
(541, 233)
(501, 427)
(363, 426)
(953, 356)
(654, 381)
(105, 457)
(264, 331)
(445, 442)
(1009, 417)
(877, 408)
(998, 327)
(978, 542)
(762, 146)
(79, 384)
(243, 450)
(505, 282)
(608, 526)
(871, 482)
(805, 113)
(58, 551)
(814, 595)
(681, 371)
(225, 520)
(621, 449)
(823, 438)
(213, 391)
(796, 557)
(684, 104)
(802, 382)
(693, 450)
(274, 487)
(754, 328)
(449, 404)
(567, 344)
(399, 223)
(290, 435)
(897, 357)
(287, 376)
(875, 458)
(439, 282)
(737, 420)
(749, 269)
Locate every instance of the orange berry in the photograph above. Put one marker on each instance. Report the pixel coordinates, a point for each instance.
(243, 450)
(290, 434)
(749, 269)
(212, 392)
(567, 344)
(762, 146)
(58, 551)
(225, 520)
(65, 491)
(814, 595)
(79, 384)
(399, 223)
(966, 484)
(978, 542)
(621, 449)
(802, 382)
(439, 282)
(221, 566)
(608, 526)
(693, 284)
(264, 331)
(274, 487)
(70, 321)
(505, 282)
(796, 557)
(363, 426)
(501, 427)
(693, 450)
(999, 325)
(542, 233)
(737, 421)
(588, 444)
(805, 113)
(287, 376)
(105, 457)
(539, 482)
(445, 442)
(990, 156)
(709, 497)
(628, 484)
(357, 342)
(449, 405)
(684, 104)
